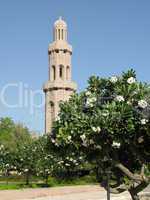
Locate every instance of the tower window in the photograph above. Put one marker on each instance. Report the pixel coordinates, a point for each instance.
(61, 71)
(59, 33)
(65, 51)
(53, 72)
(52, 110)
(62, 34)
(67, 72)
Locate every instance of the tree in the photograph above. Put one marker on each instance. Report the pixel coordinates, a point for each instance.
(13, 134)
(109, 124)
(7, 161)
(26, 158)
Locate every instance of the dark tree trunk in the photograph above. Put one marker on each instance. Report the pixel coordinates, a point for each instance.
(46, 180)
(27, 178)
(134, 195)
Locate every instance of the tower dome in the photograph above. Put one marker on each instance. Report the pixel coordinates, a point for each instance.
(60, 30)
(60, 23)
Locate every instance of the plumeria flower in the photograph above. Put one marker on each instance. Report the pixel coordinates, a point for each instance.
(67, 164)
(129, 103)
(58, 118)
(105, 114)
(88, 93)
(90, 101)
(96, 129)
(85, 143)
(140, 139)
(69, 137)
(131, 80)
(142, 104)
(113, 79)
(1, 146)
(116, 144)
(53, 141)
(119, 98)
(144, 121)
(83, 137)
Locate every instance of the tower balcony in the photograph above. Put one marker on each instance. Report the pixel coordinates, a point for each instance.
(60, 45)
(58, 85)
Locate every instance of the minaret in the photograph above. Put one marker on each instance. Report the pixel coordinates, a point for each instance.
(59, 86)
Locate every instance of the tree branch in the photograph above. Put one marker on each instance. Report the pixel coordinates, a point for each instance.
(135, 177)
(113, 190)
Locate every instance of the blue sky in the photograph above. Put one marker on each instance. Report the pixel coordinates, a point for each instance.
(108, 36)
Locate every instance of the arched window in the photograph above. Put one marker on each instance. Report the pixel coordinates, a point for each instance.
(59, 33)
(53, 73)
(62, 34)
(68, 73)
(52, 110)
(61, 72)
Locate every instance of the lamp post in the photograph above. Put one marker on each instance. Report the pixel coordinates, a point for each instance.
(108, 186)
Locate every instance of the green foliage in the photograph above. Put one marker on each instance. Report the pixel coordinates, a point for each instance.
(107, 124)
(11, 134)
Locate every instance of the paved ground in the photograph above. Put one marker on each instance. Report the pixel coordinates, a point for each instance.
(61, 193)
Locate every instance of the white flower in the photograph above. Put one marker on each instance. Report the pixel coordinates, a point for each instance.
(57, 118)
(144, 121)
(88, 93)
(90, 101)
(96, 129)
(1, 146)
(67, 164)
(142, 104)
(116, 144)
(131, 80)
(119, 98)
(53, 141)
(85, 143)
(140, 139)
(69, 137)
(26, 170)
(105, 114)
(129, 103)
(83, 137)
(113, 79)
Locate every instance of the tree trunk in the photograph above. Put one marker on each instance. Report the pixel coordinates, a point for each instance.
(134, 195)
(27, 178)
(46, 180)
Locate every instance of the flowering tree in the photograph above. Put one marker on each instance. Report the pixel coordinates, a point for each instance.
(45, 163)
(109, 124)
(26, 158)
(7, 161)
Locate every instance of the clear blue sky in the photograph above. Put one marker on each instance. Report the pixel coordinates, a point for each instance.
(108, 36)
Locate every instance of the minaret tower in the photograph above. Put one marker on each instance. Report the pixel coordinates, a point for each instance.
(59, 86)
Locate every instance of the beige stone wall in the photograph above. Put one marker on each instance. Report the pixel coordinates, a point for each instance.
(59, 86)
